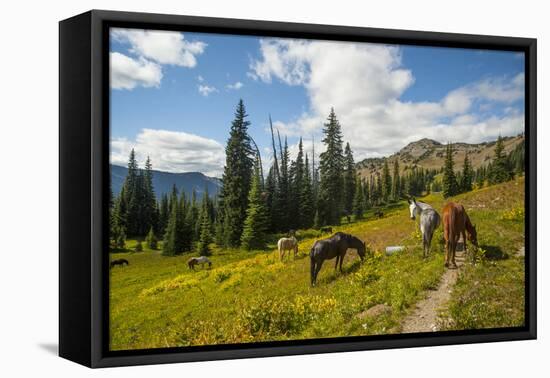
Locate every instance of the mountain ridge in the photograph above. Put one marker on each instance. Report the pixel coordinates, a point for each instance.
(164, 181)
(430, 154)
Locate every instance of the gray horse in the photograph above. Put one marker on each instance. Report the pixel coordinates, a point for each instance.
(429, 221)
(335, 246)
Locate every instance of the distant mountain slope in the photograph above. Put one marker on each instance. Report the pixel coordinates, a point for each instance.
(427, 153)
(163, 181)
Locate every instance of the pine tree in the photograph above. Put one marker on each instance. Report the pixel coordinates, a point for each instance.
(331, 167)
(306, 205)
(164, 213)
(150, 215)
(119, 237)
(256, 224)
(205, 238)
(151, 239)
(297, 175)
(349, 180)
(131, 185)
(500, 169)
(386, 182)
(317, 220)
(450, 184)
(517, 158)
(173, 243)
(366, 195)
(236, 178)
(358, 200)
(186, 230)
(466, 183)
(283, 192)
(396, 183)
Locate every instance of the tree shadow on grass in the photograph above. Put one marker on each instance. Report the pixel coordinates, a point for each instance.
(493, 252)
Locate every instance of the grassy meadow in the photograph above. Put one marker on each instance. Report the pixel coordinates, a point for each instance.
(158, 302)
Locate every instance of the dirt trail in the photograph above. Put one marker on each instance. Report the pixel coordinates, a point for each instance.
(424, 317)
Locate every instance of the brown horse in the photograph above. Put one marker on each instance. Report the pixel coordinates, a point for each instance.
(456, 223)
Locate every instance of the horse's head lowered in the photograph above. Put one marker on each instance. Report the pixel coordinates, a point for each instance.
(413, 208)
(472, 235)
(361, 249)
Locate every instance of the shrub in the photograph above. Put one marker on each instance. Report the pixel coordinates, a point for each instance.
(139, 247)
(221, 275)
(281, 317)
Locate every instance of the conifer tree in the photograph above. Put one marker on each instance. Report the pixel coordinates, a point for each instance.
(236, 178)
(450, 184)
(120, 237)
(306, 204)
(358, 200)
(256, 223)
(297, 175)
(349, 180)
(317, 220)
(131, 185)
(396, 183)
(331, 167)
(150, 216)
(366, 195)
(466, 183)
(151, 239)
(164, 213)
(500, 170)
(386, 182)
(205, 237)
(283, 192)
(173, 243)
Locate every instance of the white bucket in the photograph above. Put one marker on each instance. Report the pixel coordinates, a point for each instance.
(393, 249)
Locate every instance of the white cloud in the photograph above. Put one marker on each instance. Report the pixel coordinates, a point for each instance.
(163, 47)
(128, 73)
(206, 90)
(172, 151)
(200, 79)
(235, 86)
(365, 82)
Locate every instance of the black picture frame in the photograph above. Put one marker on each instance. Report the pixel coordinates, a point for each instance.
(83, 195)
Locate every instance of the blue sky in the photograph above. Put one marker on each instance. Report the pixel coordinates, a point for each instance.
(173, 95)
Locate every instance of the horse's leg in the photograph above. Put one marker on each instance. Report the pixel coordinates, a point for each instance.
(318, 266)
(453, 253)
(341, 261)
(464, 243)
(447, 252)
(426, 240)
(430, 238)
(336, 263)
(312, 271)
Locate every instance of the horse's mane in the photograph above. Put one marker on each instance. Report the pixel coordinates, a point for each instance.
(343, 235)
(423, 205)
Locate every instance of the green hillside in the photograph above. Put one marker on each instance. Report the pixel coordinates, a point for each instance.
(158, 302)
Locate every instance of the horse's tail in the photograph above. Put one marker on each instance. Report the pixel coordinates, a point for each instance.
(452, 226)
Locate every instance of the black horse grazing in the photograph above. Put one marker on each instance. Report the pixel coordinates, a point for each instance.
(335, 246)
(120, 262)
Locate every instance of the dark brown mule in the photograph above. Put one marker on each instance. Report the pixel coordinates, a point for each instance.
(456, 223)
